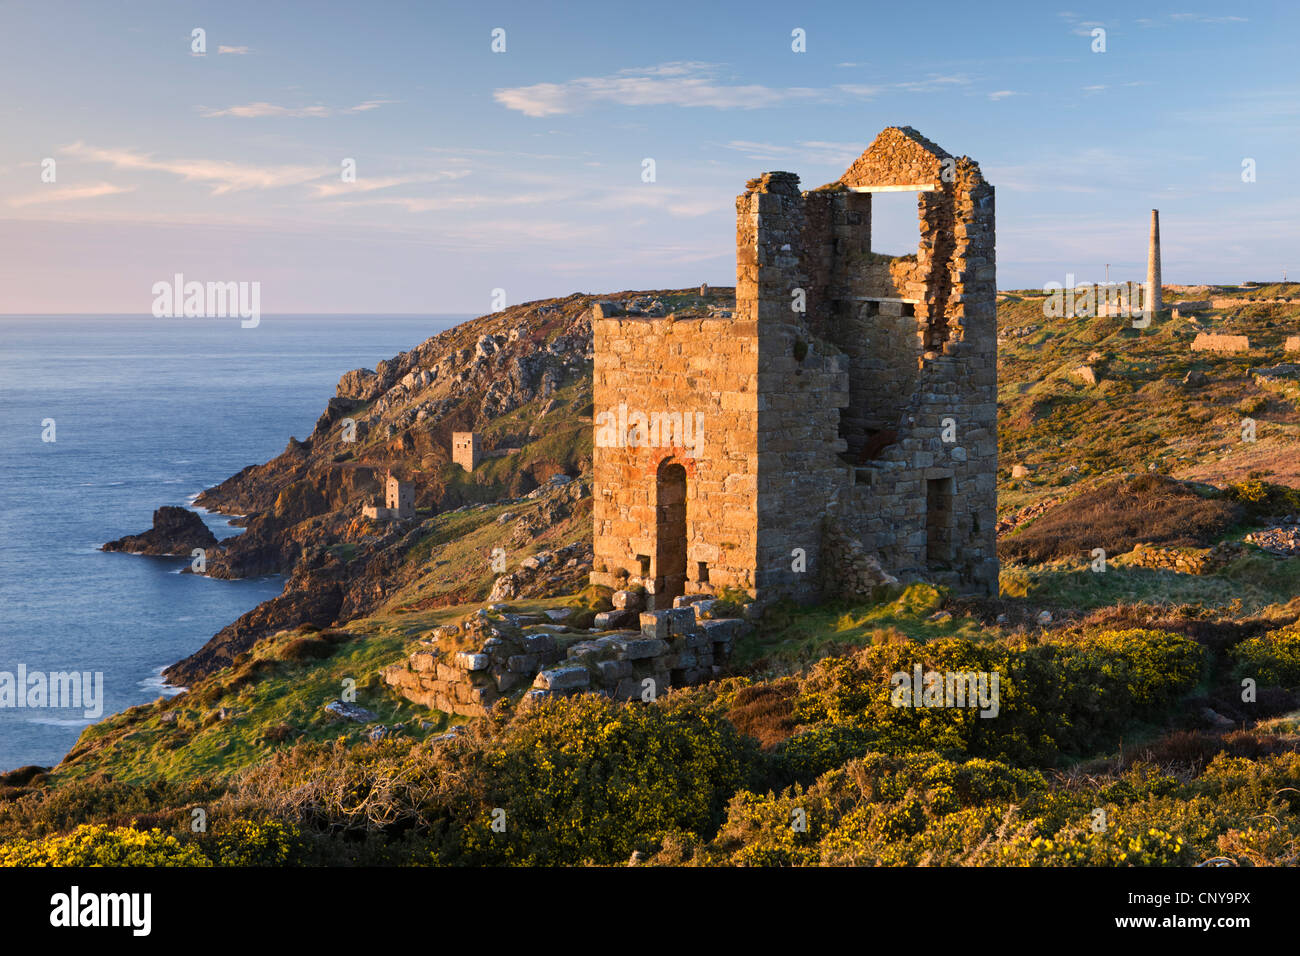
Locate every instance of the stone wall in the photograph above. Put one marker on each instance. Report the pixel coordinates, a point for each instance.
(1186, 560)
(466, 668)
(703, 367)
(1215, 342)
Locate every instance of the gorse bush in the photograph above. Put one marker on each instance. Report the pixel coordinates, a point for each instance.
(846, 777)
(589, 779)
(582, 779)
(99, 845)
(1263, 499)
(1052, 699)
(1272, 658)
(923, 809)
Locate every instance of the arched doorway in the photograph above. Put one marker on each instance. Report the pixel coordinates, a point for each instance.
(670, 533)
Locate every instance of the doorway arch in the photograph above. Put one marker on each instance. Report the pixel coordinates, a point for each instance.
(670, 532)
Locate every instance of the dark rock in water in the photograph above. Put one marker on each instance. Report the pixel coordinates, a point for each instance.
(175, 531)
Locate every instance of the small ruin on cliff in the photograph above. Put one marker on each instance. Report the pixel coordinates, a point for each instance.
(849, 406)
(399, 501)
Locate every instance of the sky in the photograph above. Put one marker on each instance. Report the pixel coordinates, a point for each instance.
(524, 169)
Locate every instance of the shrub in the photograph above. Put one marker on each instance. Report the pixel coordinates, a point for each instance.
(1272, 658)
(588, 779)
(307, 649)
(1051, 698)
(98, 845)
(253, 843)
(1263, 499)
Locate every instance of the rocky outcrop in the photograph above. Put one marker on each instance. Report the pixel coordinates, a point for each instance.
(360, 383)
(175, 531)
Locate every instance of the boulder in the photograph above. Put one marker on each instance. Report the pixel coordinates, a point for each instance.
(351, 712)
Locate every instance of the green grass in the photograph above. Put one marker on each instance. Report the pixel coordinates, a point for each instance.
(139, 745)
(1251, 583)
(791, 635)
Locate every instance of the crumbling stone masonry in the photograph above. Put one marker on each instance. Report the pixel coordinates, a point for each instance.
(466, 668)
(850, 390)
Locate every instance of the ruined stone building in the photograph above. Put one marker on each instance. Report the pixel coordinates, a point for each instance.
(845, 415)
(399, 501)
(399, 497)
(466, 449)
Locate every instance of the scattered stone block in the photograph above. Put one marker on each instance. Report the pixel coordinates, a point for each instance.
(563, 678)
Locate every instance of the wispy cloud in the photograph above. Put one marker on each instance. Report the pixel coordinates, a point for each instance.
(223, 176)
(809, 152)
(262, 109)
(694, 84)
(862, 90)
(1003, 94)
(67, 193)
(421, 204)
(668, 84)
(1080, 28)
(934, 83)
(1205, 18)
(328, 190)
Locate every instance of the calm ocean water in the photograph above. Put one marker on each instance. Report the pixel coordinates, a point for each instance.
(147, 412)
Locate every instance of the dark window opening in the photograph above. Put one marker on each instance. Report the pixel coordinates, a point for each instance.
(938, 521)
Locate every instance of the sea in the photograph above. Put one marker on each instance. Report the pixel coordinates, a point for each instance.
(104, 418)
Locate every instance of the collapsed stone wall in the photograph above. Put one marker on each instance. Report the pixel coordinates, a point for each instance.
(1186, 560)
(466, 668)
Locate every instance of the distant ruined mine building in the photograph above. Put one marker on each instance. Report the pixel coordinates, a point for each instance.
(467, 450)
(399, 501)
(838, 431)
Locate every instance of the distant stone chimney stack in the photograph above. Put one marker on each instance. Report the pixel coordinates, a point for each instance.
(1154, 300)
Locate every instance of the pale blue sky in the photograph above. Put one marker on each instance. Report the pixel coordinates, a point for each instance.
(522, 170)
